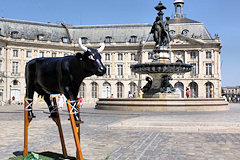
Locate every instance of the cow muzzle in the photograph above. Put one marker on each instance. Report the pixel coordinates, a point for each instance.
(101, 71)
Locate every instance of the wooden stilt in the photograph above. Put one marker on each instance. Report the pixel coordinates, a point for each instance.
(78, 126)
(76, 130)
(27, 120)
(58, 123)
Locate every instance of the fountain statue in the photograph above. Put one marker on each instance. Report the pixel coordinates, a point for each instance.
(160, 69)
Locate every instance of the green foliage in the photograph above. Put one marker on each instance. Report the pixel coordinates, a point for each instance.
(108, 156)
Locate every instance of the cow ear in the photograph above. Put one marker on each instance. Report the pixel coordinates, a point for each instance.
(79, 56)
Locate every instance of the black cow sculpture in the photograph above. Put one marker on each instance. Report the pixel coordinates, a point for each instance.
(62, 75)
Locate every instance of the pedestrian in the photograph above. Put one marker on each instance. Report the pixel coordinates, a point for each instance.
(13, 100)
(140, 93)
(134, 95)
(80, 101)
(211, 92)
(187, 92)
(61, 100)
(130, 94)
(111, 96)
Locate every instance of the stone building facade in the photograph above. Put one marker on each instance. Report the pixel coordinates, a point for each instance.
(191, 43)
(231, 91)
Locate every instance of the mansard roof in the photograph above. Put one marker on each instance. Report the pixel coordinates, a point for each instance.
(181, 20)
(96, 33)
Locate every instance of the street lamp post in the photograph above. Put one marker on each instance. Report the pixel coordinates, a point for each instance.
(10, 95)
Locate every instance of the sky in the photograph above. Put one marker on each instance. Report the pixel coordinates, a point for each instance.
(219, 16)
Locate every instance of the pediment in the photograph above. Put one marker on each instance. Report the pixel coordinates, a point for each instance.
(183, 40)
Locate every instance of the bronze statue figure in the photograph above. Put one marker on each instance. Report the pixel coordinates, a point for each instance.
(160, 29)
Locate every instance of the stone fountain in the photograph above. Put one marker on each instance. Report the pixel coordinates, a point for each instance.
(160, 69)
(159, 94)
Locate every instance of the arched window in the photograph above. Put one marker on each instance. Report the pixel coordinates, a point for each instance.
(193, 90)
(106, 91)
(94, 90)
(133, 87)
(179, 88)
(82, 90)
(119, 90)
(209, 90)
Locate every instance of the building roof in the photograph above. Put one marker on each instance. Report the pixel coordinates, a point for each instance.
(97, 33)
(181, 20)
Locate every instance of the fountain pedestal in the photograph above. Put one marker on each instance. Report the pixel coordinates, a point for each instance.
(161, 55)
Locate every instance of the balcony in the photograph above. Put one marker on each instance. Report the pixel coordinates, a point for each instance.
(15, 74)
(132, 76)
(107, 76)
(209, 76)
(119, 76)
(193, 76)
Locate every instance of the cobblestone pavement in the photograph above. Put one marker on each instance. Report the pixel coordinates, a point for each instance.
(97, 140)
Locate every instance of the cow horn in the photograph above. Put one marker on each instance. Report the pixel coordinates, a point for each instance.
(101, 48)
(81, 46)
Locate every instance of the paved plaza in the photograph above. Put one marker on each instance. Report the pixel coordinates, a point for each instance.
(127, 135)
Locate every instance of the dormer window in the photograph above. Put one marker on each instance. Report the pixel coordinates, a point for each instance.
(84, 40)
(40, 37)
(185, 32)
(14, 34)
(171, 32)
(133, 39)
(108, 39)
(65, 39)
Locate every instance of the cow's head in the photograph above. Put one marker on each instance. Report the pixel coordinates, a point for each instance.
(93, 59)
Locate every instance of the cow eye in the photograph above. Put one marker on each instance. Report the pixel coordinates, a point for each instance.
(91, 57)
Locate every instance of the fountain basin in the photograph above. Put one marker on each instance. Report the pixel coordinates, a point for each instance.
(163, 104)
(168, 68)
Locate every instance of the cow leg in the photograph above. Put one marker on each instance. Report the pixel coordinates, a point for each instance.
(52, 108)
(72, 96)
(29, 95)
